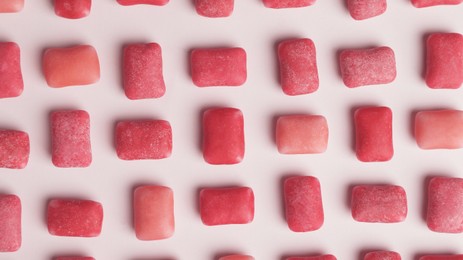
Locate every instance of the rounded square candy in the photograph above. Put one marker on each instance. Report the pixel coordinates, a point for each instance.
(373, 133)
(379, 203)
(214, 8)
(218, 67)
(74, 218)
(142, 71)
(444, 60)
(277, 4)
(11, 6)
(442, 257)
(382, 255)
(153, 212)
(236, 257)
(71, 66)
(70, 138)
(298, 66)
(223, 206)
(301, 134)
(303, 203)
(10, 224)
(223, 136)
(143, 2)
(321, 257)
(445, 205)
(11, 79)
(439, 129)
(144, 139)
(427, 3)
(364, 9)
(362, 67)
(14, 149)
(73, 258)
(73, 9)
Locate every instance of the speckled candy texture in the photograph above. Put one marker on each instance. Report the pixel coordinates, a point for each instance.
(236, 257)
(143, 2)
(10, 224)
(442, 257)
(223, 206)
(362, 67)
(373, 133)
(214, 8)
(11, 79)
(439, 129)
(143, 139)
(71, 66)
(303, 203)
(73, 258)
(14, 149)
(288, 3)
(218, 67)
(321, 257)
(382, 255)
(153, 212)
(445, 205)
(73, 9)
(70, 138)
(74, 218)
(142, 71)
(427, 3)
(444, 60)
(379, 203)
(298, 66)
(364, 9)
(223, 136)
(11, 6)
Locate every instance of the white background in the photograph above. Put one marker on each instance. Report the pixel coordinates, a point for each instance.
(178, 29)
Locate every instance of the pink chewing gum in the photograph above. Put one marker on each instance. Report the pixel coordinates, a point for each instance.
(70, 138)
(364, 9)
(373, 133)
(14, 149)
(427, 3)
(439, 129)
(74, 218)
(442, 257)
(444, 61)
(379, 203)
(218, 67)
(363, 67)
(142, 71)
(382, 255)
(223, 136)
(10, 224)
(298, 66)
(73, 258)
(301, 134)
(236, 257)
(277, 4)
(321, 257)
(78, 65)
(143, 2)
(73, 9)
(11, 6)
(445, 205)
(214, 8)
(142, 140)
(11, 79)
(153, 212)
(224, 206)
(303, 203)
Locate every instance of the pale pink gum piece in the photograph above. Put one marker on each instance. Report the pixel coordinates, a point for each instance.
(236, 257)
(223, 136)
(301, 134)
(439, 129)
(144, 139)
(11, 6)
(444, 60)
(382, 255)
(10, 224)
(74, 218)
(142, 71)
(298, 66)
(73, 258)
(73, 9)
(363, 67)
(153, 212)
(70, 138)
(224, 206)
(379, 203)
(427, 3)
(364, 9)
(14, 149)
(214, 8)
(277, 4)
(143, 2)
(445, 205)
(442, 257)
(303, 203)
(373, 134)
(218, 67)
(11, 79)
(321, 257)
(72, 66)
